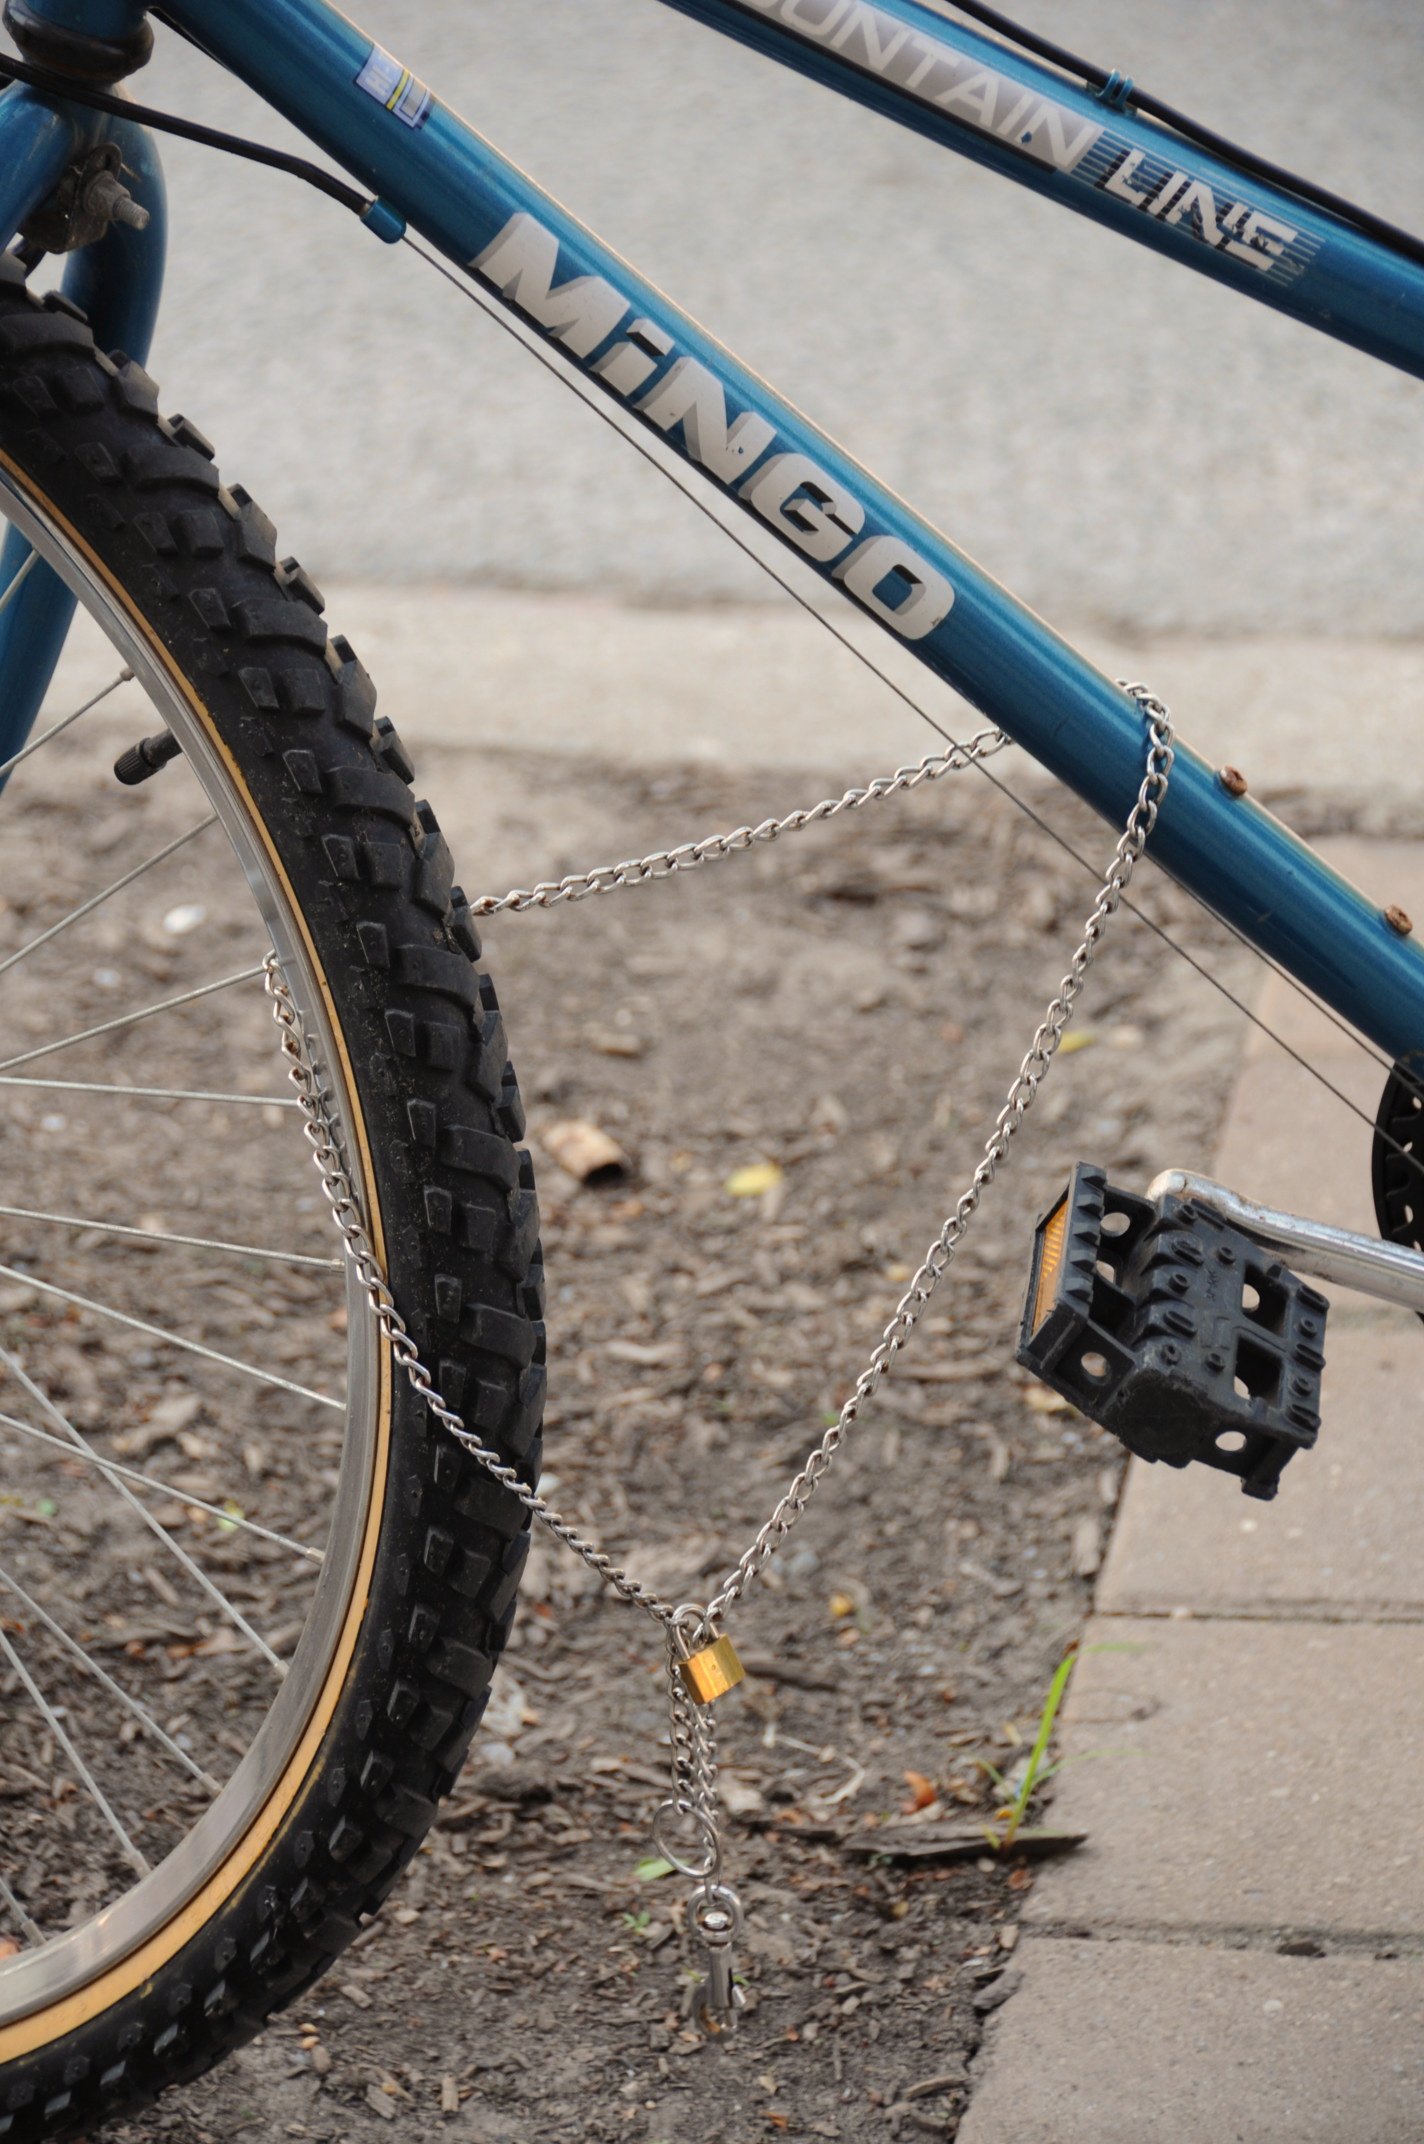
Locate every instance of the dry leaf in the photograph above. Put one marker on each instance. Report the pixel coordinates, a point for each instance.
(739, 1797)
(922, 1791)
(754, 1181)
(587, 1152)
(615, 1042)
(1042, 1401)
(1079, 1038)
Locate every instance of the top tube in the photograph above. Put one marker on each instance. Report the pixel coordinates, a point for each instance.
(1008, 111)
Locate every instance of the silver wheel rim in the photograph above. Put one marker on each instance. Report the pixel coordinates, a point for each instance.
(35, 1980)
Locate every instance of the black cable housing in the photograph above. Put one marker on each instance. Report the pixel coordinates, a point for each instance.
(254, 152)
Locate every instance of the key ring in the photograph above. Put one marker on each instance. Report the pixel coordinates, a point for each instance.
(709, 1866)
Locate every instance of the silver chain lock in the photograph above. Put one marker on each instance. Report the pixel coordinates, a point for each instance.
(701, 1660)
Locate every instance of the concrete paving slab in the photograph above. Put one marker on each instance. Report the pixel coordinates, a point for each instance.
(760, 684)
(1346, 1533)
(1114, 2043)
(1228, 1770)
(1235, 1776)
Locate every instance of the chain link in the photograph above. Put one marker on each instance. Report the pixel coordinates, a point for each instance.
(713, 848)
(686, 1827)
(940, 1255)
(341, 1197)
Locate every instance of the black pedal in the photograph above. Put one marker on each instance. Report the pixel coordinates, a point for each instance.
(1175, 1331)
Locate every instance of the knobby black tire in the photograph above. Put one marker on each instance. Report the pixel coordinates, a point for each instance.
(372, 876)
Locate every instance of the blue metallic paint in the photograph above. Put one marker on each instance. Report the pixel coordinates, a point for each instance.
(92, 18)
(37, 142)
(303, 58)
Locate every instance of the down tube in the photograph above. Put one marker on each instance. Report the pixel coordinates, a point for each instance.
(317, 68)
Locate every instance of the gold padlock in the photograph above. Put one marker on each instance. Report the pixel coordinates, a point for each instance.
(712, 1671)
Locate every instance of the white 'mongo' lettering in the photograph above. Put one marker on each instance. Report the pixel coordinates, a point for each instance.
(520, 264)
(692, 396)
(796, 497)
(804, 506)
(896, 586)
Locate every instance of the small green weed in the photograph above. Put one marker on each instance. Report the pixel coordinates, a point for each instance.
(1037, 1769)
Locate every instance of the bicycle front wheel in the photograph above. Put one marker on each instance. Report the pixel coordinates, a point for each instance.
(250, 1599)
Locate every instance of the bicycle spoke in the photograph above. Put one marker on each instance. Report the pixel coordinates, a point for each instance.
(22, 1920)
(18, 579)
(153, 1094)
(131, 1019)
(160, 1332)
(57, 1729)
(115, 1689)
(87, 908)
(155, 1526)
(162, 1235)
(125, 677)
(120, 1472)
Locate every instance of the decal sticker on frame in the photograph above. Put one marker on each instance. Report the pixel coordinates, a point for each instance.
(395, 87)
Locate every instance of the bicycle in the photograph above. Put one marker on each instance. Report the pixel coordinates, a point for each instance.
(336, 889)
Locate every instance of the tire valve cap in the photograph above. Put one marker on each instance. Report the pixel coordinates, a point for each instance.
(712, 1671)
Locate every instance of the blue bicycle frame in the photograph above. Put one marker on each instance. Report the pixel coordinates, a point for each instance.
(427, 169)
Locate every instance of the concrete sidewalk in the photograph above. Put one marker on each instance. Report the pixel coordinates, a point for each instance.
(1238, 1951)
(762, 685)
(1316, 723)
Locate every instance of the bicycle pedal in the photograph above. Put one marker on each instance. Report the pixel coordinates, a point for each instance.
(1175, 1331)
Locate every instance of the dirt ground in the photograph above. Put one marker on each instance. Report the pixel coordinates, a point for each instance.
(850, 1007)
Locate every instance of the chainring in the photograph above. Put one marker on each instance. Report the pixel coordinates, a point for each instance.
(1397, 1160)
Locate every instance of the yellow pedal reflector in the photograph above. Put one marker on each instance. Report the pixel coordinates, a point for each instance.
(713, 1671)
(1050, 1260)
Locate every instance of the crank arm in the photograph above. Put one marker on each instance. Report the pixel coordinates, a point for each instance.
(1386, 1271)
